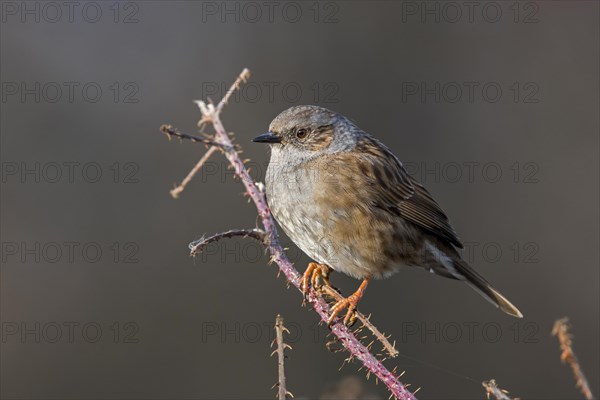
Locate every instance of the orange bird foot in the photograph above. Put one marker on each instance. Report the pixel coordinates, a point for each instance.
(350, 303)
(315, 275)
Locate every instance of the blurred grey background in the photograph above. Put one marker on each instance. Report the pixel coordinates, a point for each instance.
(492, 105)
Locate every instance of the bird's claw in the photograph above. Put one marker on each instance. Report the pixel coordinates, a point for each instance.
(349, 303)
(316, 275)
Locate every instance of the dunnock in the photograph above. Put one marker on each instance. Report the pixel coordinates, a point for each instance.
(346, 200)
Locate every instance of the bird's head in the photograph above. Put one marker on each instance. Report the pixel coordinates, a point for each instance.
(308, 131)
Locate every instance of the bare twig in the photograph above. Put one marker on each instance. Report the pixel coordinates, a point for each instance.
(173, 132)
(211, 114)
(492, 389)
(170, 132)
(175, 192)
(243, 77)
(197, 246)
(282, 392)
(565, 338)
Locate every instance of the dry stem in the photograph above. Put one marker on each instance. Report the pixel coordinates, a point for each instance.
(197, 246)
(565, 338)
(492, 389)
(175, 192)
(282, 392)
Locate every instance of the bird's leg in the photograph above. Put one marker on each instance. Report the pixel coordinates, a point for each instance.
(313, 272)
(307, 277)
(350, 302)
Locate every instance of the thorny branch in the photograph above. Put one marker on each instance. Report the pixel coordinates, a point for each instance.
(561, 331)
(282, 392)
(492, 389)
(197, 246)
(176, 191)
(366, 321)
(211, 115)
(170, 132)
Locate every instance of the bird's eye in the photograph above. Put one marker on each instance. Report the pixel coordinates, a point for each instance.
(301, 133)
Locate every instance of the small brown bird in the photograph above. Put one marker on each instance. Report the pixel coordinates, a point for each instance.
(346, 200)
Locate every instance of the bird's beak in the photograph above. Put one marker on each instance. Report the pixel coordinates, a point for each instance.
(267, 138)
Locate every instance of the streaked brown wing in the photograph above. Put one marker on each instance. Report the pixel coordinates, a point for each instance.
(399, 193)
(423, 210)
